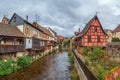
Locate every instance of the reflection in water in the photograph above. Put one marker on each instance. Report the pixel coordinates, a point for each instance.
(51, 67)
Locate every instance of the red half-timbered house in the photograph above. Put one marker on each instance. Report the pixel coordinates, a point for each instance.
(92, 35)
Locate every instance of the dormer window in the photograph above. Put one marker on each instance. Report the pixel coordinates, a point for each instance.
(95, 29)
(15, 19)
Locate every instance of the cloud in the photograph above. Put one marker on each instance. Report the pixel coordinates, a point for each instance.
(64, 16)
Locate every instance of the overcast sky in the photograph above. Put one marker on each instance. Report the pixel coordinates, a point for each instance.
(64, 16)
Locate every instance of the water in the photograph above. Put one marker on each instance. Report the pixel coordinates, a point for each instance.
(50, 67)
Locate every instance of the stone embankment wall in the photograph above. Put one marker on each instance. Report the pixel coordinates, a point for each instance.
(83, 71)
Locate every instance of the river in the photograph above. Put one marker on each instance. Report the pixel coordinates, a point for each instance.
(50, 67)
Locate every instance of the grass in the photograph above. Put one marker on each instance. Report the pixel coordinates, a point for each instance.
(74, 74)
(73, 71)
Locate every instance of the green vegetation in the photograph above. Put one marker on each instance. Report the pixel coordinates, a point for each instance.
(67, 44)
(53, 51)
(12, 65)
(97, 61)
(74, 74)
(24, 61)
(71, 57)
(8, 66)
(115, 40)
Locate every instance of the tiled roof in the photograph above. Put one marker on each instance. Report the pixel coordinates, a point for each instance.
(88, 25)
(46, 31)
(5, 20)
(10, 30)
(26, 21)
(117, 29)
(60, 37)
(52, 30)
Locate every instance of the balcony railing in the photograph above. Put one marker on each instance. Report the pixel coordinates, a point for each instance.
(11, 48)
(36, 47)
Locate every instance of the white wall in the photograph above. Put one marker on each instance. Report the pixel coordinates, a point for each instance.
(20, 27)
(28, 43)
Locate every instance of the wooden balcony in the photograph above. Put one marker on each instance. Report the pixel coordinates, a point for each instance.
(36, 44)
(36, 47)
(11, 48)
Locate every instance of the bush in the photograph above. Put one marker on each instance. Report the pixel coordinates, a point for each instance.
(115, 40)
(71, 59)
(87, 61)
(85, 50)
(7, 66)
(24, 61)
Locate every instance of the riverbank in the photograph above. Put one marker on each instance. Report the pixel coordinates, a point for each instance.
(12, 65)
(73, 71)
(50, 67)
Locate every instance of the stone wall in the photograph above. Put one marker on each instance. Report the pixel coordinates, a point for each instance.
(113, 49)
(82, 69)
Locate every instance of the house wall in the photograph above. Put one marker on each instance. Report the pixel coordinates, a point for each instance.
(30, 32)
(18, 21)
(94, 35)
(109, 36)
(28, 43)
(116, 35)
(21, 28)
(113, 49)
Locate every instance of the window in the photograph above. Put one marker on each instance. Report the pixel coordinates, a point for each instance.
(95, 29)
(15, 19)
(89, 38)
(98, 38)
(29, 41)
(43, 43)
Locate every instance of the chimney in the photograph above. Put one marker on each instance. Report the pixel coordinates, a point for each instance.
(35, 24)
(26, 18)
(79, 30)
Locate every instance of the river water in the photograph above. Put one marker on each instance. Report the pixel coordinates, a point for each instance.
(51, 67)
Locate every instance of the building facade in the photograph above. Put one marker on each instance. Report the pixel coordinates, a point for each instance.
(92, 35)
(11, 40)
(34, 39)
(116, 32)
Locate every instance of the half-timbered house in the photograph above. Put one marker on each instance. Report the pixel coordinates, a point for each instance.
(11, 40)
(33, 35)
(47, 36)
(92, 35)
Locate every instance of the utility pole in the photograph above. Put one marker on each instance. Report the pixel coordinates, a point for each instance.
(37, 18)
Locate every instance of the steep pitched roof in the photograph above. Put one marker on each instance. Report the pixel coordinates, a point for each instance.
(46, 31)
(10, 30)
(88, 25)
(24, 21)
(5, 20)
(52, 30)
(117, 29)
(61, 38)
